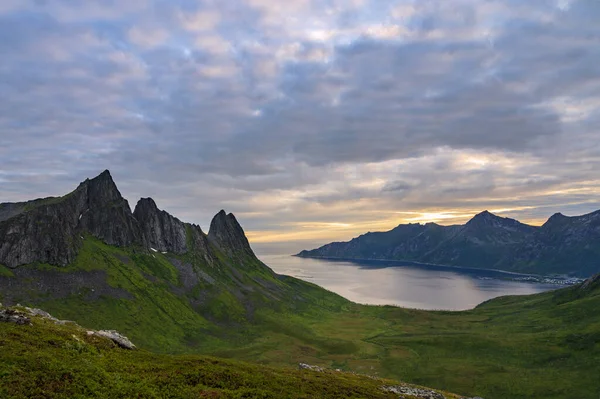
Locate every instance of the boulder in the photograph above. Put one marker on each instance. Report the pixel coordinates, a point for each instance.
(304, 366)
(116, 337)
(14, 316)
(413, 392)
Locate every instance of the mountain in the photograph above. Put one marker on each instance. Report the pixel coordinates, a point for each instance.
(180, 295)
(51, 230)
(563, 245)
(86, 256)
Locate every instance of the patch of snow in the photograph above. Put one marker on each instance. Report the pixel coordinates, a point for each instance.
(163, 252)
(80, 216)
(154, 250)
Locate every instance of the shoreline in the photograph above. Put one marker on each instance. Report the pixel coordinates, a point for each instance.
(414, 263)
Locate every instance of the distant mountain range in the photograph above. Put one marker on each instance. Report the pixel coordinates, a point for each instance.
(562, 245)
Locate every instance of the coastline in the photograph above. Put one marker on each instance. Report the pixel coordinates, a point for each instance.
(525, 276)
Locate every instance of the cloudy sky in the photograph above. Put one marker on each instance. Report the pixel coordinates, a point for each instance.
(311, 120)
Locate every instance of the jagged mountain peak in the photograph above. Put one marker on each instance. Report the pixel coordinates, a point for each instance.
(227, 233)
(51, 230)
(103, 177)
(554, 220)
(147, 203)
(102, 189)
(486, 215)
(488, 219)
(160, 230)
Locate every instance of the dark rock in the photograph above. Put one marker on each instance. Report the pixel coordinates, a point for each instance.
(161, 231)
(49, 230)
(14, 316)
(50, 284)
(413, 392)
(108, 215)
(228, 235)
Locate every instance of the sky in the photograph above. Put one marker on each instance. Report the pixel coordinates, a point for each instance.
(310, 120)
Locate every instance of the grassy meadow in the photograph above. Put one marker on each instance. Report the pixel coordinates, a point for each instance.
(538, 346)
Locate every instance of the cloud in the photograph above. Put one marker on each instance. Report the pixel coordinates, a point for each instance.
(310, 117)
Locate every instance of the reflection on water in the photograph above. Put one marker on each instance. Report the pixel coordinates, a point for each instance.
(421, 287)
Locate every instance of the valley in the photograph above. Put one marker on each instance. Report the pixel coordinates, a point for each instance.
(208, 294)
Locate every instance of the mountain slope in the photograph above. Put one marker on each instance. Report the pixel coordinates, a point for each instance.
(50, 360)
(211, 295)
(563, 245)
(166, 283)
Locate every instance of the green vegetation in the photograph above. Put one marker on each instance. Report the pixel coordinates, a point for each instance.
(540, 346)
(45, 360)
(5, 271)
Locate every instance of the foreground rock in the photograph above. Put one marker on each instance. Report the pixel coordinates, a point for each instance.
(45, 315)
(14, 316)
(304, 366)
(115, 336)
(414, 392)
(23, 315)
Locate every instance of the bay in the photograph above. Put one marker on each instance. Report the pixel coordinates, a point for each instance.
(403, 284)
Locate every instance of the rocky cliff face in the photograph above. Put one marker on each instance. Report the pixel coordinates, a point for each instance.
(50, 230)
(107, 215)
(563, 245)
(159, 229)
(228, 235)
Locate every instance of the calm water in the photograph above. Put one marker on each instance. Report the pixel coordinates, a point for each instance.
(421, 287)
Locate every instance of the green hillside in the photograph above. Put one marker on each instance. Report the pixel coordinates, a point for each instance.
(540, 346)
(46, 360)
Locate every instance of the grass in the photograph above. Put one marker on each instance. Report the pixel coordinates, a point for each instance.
(5, 271)
(540, 346)
(45, 360)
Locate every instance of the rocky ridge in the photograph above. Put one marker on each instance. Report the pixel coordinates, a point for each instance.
(22, 315)
(51, 230)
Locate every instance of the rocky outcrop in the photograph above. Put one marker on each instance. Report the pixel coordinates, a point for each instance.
(51, 230)
(114, 336)
(227, 234)
(591, 283)
(563, 245)
(22, 315)
(305, 366)
(43, 231)
(108, 215)
(413, 392)
(160, 230)
(13, 316)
